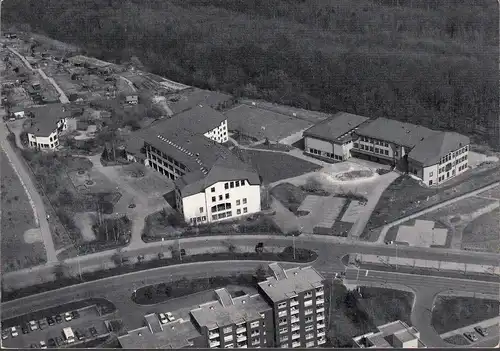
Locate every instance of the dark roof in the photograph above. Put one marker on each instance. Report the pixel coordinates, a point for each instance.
(400, 133)
(46, 117)
(431, 149)
(335, 127)
(193, 97)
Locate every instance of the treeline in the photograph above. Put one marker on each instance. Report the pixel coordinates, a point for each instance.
(433, 62)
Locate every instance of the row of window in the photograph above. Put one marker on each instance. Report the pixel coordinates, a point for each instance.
(453, 155)
(374, 141)
(327, 154)
(164, 156)
(163, 171)
(231, 185)
(44, 146)
(198, 219)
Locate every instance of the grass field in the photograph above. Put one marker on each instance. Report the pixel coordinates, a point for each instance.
(17, 218)
(457, 339)
(482, 233)
(274, 166)
(450, 313)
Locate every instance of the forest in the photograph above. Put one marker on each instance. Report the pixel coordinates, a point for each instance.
(432, 62)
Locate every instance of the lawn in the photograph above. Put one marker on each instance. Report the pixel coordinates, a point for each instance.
(22, 244)
(457, 339)
(482, 233)
(393, 206)
(353, 315)
(261, 124)
(450, 313)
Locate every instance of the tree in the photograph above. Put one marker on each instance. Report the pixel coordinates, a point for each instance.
(117, 258)
(61, 271)
(261, 274)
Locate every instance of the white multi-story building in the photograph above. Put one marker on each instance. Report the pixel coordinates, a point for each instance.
(47, 122)
(212, 184)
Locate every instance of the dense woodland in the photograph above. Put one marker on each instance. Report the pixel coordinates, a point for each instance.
(433, 62)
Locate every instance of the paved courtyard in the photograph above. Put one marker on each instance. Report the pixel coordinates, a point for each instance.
(323, 211)
(353, 211)
(422, 234)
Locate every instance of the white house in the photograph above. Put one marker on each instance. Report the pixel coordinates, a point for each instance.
(47, 123)
(332, 139)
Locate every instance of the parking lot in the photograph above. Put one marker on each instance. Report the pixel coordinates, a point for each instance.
(86, 324)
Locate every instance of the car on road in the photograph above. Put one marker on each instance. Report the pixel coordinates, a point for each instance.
(42, 324)
(14, 332)
(51, 321)
(68, 317)
(33, 325)
(58, 319)
(25, 329)
(75, 314)
(52, 343)
(93, 331)
(43, 345)
(471, 336)
(481, 331)
(5, 334)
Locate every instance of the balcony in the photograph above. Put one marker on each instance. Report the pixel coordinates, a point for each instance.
(241, 330)
(295, 327)
(295, 336)
(320, 317)
(283, 323)
(296, 344)
(309, 336)
(320, 301)
(308, 303)
(294, 311)
(241, 338)
(320, 326)
(243, 346)
(320, 292)
(320, 334)
(228, 338)
(295, 320)
(214, 343)
(213, 335)
(320, 310)
(309, 311)
(321, 341)
(294, 303)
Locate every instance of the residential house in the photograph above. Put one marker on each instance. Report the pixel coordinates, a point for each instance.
(132, 99)
(47, 122)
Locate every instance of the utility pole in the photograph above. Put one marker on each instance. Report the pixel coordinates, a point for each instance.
(293, 247)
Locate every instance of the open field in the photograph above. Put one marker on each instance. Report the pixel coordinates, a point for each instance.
(483, 233)
(21, 240)
(274, 166)
(450, 313)
(260, 124)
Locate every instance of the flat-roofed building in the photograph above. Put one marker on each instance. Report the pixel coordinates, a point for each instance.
(298, 299)
(391, 335)
(332, 139)
(235, 322)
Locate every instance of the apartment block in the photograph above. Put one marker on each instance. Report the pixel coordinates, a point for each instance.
(297, 296)
(391, 335)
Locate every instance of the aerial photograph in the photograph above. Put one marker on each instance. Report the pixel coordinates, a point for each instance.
(249, 174)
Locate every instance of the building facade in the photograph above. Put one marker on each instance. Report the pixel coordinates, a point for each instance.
(297, 296)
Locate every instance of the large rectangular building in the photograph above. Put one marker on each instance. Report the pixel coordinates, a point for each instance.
(212, 184)
(297, 296)
(391, 335)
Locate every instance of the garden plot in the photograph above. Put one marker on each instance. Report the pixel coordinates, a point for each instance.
(422, 234)
(260, 123)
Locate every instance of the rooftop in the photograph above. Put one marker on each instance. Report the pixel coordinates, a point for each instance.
(430, 151)
(290, 282)
(383, 338)
(174, 335)
(199, 119)
(45, 118)
(336, 127)
(192, 97)
(228, 310)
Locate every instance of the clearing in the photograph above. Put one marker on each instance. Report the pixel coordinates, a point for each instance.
(453, 312)
(22, 243)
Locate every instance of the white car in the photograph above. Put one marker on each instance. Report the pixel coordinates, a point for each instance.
(163, 318)
(14, 332)
(68, 317)
(170, 317)
(5, 334)
(43, 345)
(33, 325)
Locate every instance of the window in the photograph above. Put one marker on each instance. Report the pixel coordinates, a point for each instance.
(237, 202)
(396, 153)
(282, 305)
(283, 330)
(213, 198)
(201, 209)
(237, 183)
(213, 189)
(214, 208)
(228, 330)
(386, 152)
(238, 211)
(245, 210)
(214, 217)
(254, 325)
(204, 218)
(226, 185)
(356, 145)
(220, 197)
(229, 214)
(371, 148)
(431, 174)
(309, 328)
(430, 182)
(231, 185)
(376, 150)
(227, 196)
(244, 201)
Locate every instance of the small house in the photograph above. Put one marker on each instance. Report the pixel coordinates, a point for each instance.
(132, 99)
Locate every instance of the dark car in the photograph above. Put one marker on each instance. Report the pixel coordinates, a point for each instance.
(25, 329)
(93, 331)
(75, 314)
(183, 252)
(79, 335)
(59, 341)
(259, 248)
(52, 343)
(59, 319)
(50, 321)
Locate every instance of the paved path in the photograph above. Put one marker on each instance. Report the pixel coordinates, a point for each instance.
(386, 228)
(32, 192)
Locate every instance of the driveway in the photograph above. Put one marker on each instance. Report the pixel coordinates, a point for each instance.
(25, 178)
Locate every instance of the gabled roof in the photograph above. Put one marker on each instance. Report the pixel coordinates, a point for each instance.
(335, 127)
(46, 117)
(199, 119)
(431, 149)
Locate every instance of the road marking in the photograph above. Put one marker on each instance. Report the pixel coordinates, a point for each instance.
(366, 274)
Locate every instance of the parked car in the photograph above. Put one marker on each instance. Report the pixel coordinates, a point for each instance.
(79, 335)
(33, 325)
(25, 329)
(75, 314)
(51, 321)
(471, 336)
(42, 324)
(93, 331)
(34, 346)
(68, 317)
(163, 318)
(59, 341)
(58, 319)
(481, 331)
(43, 345)
(52, 343)
(170, 317)
(14, 332)
(5, 334)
